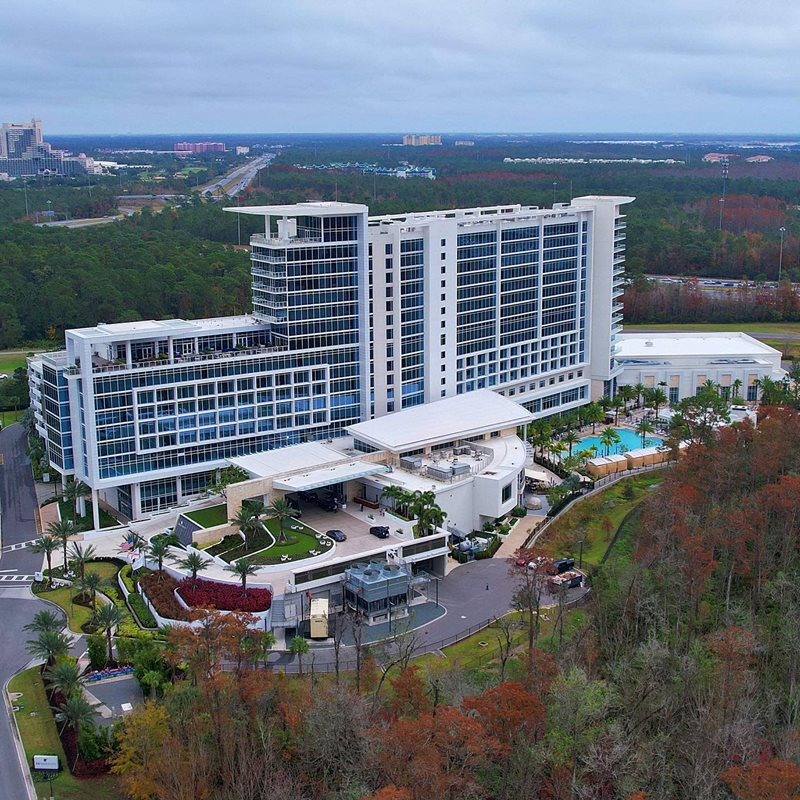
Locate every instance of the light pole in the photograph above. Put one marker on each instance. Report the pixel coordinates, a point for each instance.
(782, 232)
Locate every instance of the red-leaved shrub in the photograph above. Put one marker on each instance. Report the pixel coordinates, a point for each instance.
(160, 592)
(223, 596)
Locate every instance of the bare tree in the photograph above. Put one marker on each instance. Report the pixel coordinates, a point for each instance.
(396, 651)
(505, 628)
(531, 569)
(338, 624)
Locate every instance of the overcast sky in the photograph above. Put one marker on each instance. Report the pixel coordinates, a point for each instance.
(101, 66)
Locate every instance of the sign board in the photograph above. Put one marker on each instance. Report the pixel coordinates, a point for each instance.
(45, 762)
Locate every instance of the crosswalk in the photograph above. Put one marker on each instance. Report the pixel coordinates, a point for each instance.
(15, 578)
(10, 548)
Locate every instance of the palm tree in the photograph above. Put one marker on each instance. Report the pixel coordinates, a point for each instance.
(281, 510)
(657, 399)
(556, 448)
(617, 404)
(570, 439)
(429, 517)
(48, 545)
(627, 393)
(153, 680)
(48, 645)
(75, 713)
(737, 388)
(394, 493)
(45, 620)
(247, 522)
(639, 389)
(90, 584)
(108, 616)
(64, 677)
(299, 647)
(158, 550)
(62, 530)
(242, 569)
(72, 492)
(420, 502)
(194, 563)
(643, 428)
(594, 414)
(80, 555)
(608, 438)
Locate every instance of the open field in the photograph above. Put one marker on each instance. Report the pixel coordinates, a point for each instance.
(11, 361)
(7, 417)
(39, 736)
(776, 329)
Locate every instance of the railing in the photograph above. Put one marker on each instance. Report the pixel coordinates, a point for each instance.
(260, 238)
(185, 359)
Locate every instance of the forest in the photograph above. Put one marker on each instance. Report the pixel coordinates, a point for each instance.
(180, 262)
(677, 680)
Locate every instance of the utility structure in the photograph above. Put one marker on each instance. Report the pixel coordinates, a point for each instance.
(724, 162)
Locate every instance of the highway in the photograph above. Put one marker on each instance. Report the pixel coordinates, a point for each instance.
(237, 179)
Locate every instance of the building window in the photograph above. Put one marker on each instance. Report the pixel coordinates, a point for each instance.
(506, 493)
(674, 395)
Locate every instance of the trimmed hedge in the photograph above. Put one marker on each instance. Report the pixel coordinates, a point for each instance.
(141, 611)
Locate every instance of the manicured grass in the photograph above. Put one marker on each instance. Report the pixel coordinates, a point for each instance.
(40, 736)
(9, 417)
(86, 522)
(297, 546)
(777, 328)
(209, 517)
(11, 361)
(77, 615)
(595, 520)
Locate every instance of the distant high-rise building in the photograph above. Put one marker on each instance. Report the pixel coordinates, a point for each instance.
(421, 140)
(23, 152)
(200, 147)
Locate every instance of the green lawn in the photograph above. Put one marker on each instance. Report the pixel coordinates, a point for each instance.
(209, 517)
(596, 519)
(39, 736)
(296, 547)
(776, 328)
(11, 361)
(9, 417)
(85, 523)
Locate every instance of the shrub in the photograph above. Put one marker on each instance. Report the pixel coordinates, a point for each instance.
(223, 596)
(519, 511)
(491, 549)
(96, 650)
(142, 612)
(160, 592)
(127, 578)
(228, 543)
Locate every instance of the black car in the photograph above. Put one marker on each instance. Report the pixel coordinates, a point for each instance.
(336, 535)
(563, 564)
(381, 531)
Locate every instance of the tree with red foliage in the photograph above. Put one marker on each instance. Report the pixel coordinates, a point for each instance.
(530, 568)
(435, 756)
(768, 780)
(507, 710)
(408, 693)
(391, 792)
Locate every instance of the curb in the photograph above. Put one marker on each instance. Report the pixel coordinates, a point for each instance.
(12, 719)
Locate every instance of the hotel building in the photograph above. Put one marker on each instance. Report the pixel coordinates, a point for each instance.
(353, 318)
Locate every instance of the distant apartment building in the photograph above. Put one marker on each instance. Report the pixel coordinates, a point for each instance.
(199, 147)
(421, 140)
(464, 143)
(24, 153)
(353, 318)
(242, 150)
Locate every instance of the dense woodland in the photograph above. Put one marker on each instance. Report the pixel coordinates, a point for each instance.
(677, 681)
(180, 263)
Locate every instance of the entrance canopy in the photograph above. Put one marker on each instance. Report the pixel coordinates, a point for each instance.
(325, 476)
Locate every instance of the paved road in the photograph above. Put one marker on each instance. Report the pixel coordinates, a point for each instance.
(239, 178)
(17, 605)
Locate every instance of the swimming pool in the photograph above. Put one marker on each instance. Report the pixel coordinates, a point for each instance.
(628, 440)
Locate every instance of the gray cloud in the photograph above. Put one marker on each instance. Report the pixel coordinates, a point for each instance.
(342, 65)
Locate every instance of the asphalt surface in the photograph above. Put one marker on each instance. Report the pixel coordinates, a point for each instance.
(17, 605)
(242, 176)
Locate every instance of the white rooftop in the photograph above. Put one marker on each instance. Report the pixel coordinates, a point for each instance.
(712, 344)
(312, 209)
(310, 455)
(453, 418)
(325, 476)
(165, 327)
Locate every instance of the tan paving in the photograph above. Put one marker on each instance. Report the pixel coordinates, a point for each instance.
(519, 533)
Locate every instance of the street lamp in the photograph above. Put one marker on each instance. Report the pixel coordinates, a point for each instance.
(782, 232)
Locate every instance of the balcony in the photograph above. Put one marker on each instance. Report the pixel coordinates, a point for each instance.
(274, 241)
(101, 365)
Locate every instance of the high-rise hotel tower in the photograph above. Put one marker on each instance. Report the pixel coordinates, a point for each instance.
(353, 317)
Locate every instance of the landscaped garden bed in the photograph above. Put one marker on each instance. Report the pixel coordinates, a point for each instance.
(160, 591)
(263, 548)
(201, 593)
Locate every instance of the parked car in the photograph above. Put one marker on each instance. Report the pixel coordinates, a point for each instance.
(381, 531)
(563, 564)
(327, 503)
(336, 535)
